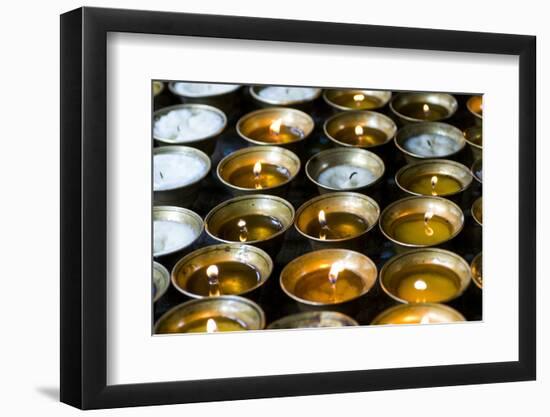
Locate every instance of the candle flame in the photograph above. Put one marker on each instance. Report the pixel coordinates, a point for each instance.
(359, 130)
(335, 269)
(323, 223)
(243, 235)
(420, 285)
(426, 108)
(427, 217)
(359, 97)
(257, 170)
(212, 272)
(425, 320)
(434, 181)
(211, 326)
(275, 127)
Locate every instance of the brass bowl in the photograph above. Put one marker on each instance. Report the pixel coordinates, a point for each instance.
(363, 118)
(275, 155)
(348, 202)
(344, 156)
(265, 117)
(356, 262)
(409, 173)
(425, 313)
(439, 206)
(161, 281)
(255, 92)
(475, 108)
(206, 143)
(224, 101)
(476, 170)
(244, 311)
(179, 215)
(375, 98)
(313, 319)
(252, 204)
(210, 255)
(427, 128)
(401, 100)
(182, 195)
(474, 138)
(477, 270)
(477, 211)
(392, 271)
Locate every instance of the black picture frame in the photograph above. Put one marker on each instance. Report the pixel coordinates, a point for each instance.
(84, 207)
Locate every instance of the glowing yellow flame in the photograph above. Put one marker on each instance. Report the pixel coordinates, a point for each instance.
(359, 130)
(359, 97)
(427, 217)
(257, 170)
(335, 269)
(420, 285)
(212, 271)
(426, 108)
(323, 223)
(275, 127)
(211, 326)
(434, 183)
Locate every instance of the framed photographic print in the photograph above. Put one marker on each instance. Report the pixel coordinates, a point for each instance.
(259, 208)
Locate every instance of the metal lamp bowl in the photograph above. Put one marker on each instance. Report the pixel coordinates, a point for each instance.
(184, 195)
(265, 117)
(408, 173)
(438, 128)
(224, 101)
(414, 313)
(383, 97)
(356, 262)
(275, 155)
(477, 270)
(391, 272)
(178, 215)
(477, 167)
(313, 319)
(161, 280)
(411, 205)
(366, 118)
(214, 254)
(344, 156)
(233, 307)
(477, 211)
(207, 143)
(349, 202)
(255, 93)
(442, 99)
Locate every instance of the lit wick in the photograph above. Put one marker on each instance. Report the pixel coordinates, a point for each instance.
(426, 109)
(434, 183)
(275, 127)
(427, 217)
(335, 269)
(420, 285)
(359, 130)
(212, 273)
(211, 326)
(358, 98)
(243, 234)
(323, 223)
(257, 170)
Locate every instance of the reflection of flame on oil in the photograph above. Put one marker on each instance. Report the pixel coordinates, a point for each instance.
(427, 217)
(211, 326)
(275, 127)
(243, 233)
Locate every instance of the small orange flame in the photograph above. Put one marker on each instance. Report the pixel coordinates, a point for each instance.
(359, 130)
(426, 108)
(243, 235)
(212, 272)
(257, 170)
(420, 285)
(335, 269)
(359, 97)
(275, 127)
